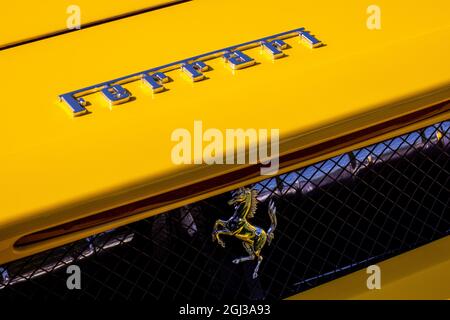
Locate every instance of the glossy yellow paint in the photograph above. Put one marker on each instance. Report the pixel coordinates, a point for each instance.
(55, 168)
(423, 273)
(26, 20)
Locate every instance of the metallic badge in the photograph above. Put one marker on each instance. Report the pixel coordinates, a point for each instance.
(193, 68)
(253, 238)
(155, 81)
(274, 48)
(238, 60)
(116, 94)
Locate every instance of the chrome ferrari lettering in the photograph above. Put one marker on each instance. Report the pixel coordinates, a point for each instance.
(235, 57)
(194, 70)
(238, 60)
(312, 41)
(274, 48)
(116, 94)
(76, 105)
(155, 81)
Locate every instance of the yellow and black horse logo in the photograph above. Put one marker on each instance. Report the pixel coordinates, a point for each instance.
(253, 238)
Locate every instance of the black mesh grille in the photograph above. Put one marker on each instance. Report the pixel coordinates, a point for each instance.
(334, 217)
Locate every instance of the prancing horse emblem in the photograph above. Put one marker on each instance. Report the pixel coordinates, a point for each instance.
(253, 238)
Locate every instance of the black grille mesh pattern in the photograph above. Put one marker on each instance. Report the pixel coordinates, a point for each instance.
(334, 217)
